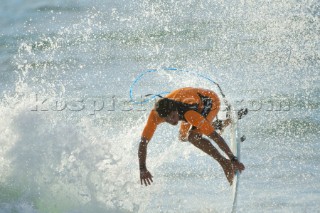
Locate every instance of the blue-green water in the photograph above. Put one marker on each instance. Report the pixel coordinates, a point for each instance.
(69, 139)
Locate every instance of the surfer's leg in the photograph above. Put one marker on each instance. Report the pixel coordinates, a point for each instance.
(206, 146)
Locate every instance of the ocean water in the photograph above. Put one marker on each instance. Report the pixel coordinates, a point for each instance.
(69, 135)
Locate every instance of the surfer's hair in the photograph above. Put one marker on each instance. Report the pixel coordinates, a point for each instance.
(165, 106)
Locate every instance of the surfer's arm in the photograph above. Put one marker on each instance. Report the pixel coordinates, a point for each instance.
(142, 153)
(145, 175)
(148, 131)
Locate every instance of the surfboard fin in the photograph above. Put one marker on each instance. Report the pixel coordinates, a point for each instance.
(242, 112)
(217, 124)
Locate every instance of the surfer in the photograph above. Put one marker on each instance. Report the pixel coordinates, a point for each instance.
(195, 108)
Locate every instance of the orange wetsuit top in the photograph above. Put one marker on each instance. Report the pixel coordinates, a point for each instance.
(204, 106)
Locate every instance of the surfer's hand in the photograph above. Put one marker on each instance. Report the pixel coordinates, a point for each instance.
(145, 177)
(238, 166)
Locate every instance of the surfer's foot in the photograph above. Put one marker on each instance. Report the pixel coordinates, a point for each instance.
(228, 170)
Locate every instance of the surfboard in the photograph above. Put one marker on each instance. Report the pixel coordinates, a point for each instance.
(235, 138)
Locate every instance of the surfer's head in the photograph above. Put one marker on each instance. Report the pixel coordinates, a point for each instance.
(167, 109)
